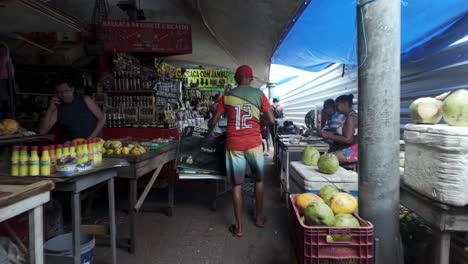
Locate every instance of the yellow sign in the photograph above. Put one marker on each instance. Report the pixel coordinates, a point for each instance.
(203, 78)
(165, 68)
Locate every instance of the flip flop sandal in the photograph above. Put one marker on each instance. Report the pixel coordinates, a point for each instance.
(261, 225)
(234, 231)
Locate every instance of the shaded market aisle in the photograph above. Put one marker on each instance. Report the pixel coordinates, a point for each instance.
(195, 234)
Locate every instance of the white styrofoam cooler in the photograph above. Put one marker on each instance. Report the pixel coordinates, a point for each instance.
(309, 179)
(436, 162)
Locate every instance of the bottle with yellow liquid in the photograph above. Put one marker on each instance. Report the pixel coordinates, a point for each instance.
(66, 149)
(34, 162)
(79, 154)
(73, 150)
(24, 161)
(45, 162)
(84, 145)
(15, 161)
(90, 150)
(53, 159)
(95, 151)
(59, 151)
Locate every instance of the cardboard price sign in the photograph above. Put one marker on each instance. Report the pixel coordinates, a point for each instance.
(204, 78)
(135, 36)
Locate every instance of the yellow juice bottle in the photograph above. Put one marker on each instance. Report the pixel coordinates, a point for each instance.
(53, 159)
(45, 162)
(95, 151)
(34, 162)
(73, 150)
(84, 146)
(66, 149)
(79, 154)
(90, 150)
(15, 161)
(59, 151)
(23, 161)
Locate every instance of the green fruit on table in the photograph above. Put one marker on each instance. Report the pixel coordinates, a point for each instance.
(328, 163)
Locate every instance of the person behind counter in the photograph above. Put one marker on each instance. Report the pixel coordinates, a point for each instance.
(78, 116)
(345, 138)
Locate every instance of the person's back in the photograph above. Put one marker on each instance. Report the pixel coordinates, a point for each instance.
(243, 106)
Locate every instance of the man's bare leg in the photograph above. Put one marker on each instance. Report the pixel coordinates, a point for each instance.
(259, 192)
(237, 204)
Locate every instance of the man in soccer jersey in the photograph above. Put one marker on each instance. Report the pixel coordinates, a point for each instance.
(243, 106)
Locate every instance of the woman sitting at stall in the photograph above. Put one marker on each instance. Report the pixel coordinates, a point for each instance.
(345, 138)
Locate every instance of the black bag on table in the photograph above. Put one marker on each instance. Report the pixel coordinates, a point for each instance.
(201, 151)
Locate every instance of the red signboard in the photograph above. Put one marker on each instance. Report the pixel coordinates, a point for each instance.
(133, 36)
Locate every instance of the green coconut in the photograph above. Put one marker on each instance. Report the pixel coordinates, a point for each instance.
(455, 108)
(310, 156)
(328, 163)
(426, 110)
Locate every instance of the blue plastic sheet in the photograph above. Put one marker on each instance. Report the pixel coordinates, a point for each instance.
(325, 33)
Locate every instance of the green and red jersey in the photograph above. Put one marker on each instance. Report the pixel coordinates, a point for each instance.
(243, 106)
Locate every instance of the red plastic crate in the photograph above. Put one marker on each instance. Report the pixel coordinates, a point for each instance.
(311, 246)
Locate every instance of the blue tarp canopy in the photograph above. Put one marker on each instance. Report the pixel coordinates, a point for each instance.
(326, 31)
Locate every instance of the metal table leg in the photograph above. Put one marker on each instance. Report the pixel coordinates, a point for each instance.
(36, 247)
(287, 177)
(112, 227)
(170, 198)
(443, 248)
(132, 193)
(76, 221)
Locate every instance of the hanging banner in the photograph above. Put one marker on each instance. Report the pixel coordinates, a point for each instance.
(196, 78)
(135, 36)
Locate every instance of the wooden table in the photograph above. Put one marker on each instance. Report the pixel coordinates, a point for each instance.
(283, 164)
(443, 218)
(139, 166)
(17, 197)
(105, 172)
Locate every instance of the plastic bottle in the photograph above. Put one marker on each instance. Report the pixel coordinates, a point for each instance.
(79, 154)
(95, 151)
(23, 161)
(45, 162)
(59, 151)
(15, 161)
(34, 162)
(99, 150)
(66, 149)
(73, 150)
(90, 150)
(85, 151)
(53, 159)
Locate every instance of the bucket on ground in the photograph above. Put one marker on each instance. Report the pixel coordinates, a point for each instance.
(61, 245)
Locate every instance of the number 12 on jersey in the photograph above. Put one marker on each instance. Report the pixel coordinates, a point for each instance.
(241, 122)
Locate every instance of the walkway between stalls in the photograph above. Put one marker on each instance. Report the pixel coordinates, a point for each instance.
(195, 234)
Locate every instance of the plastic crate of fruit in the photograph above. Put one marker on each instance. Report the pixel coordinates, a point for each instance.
(330, 245)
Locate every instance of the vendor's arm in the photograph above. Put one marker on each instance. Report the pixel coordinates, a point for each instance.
(348, 132)
(50, 118)
(266, 109)
(92, 106)
(219, 113)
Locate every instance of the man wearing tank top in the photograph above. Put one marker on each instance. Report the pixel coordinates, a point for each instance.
(77, 116)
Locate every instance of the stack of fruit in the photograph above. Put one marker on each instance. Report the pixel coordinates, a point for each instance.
(327, 163)
(330, 208)
(117, 147)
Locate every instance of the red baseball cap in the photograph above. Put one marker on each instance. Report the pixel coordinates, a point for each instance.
(244, 71)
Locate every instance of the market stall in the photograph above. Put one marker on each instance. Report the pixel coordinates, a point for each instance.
(160, 154)
(18, 197)
(285, 146)
(74, 185)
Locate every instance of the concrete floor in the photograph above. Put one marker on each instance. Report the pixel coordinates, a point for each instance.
(195, 234)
